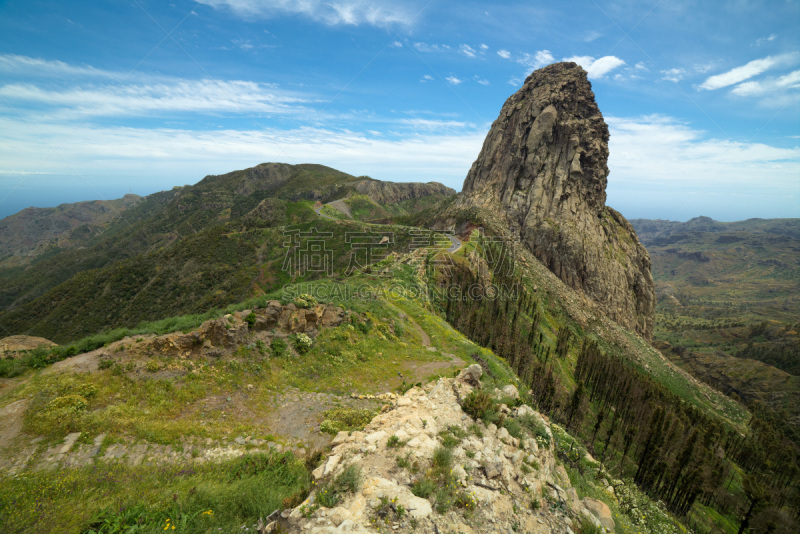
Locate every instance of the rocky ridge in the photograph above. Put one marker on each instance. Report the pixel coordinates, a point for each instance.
(390, 192)
(543, 170)
(500, 483)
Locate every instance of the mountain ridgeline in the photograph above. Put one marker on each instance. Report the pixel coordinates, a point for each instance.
(188, 249)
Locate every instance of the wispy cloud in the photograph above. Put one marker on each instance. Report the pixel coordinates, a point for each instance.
(482, 81)
(537, 60)
(467, 50)
(765, 40)
(673, 75)
(426, 78)
(597, 68)
(396, 44)
(30, 66)
(137, 100)
(505, 54)
(773, 92)
(433, 150)
(453, 80)
(427, 47)
(659, 149)
(342, 12)
(747, 71)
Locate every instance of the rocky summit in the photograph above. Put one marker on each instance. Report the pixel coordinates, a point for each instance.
(543, 167)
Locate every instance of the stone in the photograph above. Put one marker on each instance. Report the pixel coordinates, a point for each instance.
(69, 441)
(471, 375)
(543, 172)
(601, 511)
(510, 391)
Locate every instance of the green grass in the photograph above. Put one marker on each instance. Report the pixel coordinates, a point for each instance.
(116, 498)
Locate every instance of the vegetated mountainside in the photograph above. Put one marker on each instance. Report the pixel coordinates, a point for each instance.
(177, 389)
(728, 294)
(542, 171)
(32, 231)
(215, 408)
(191, 249)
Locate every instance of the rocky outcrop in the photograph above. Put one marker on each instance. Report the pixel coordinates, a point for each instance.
(487, 481)
(228, 332)
(390, 192)
(12, 346)
(543, 171)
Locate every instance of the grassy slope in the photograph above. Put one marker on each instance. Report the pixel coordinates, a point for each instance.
(343, 360)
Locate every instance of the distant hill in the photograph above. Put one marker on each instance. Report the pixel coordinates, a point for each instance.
(32, 231)
(188, 249)
(728, 294)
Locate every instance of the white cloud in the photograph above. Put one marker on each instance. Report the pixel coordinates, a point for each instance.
(396, 44)
(29, 66)
(425, 47)
(774, 92)
(662, 150)
(426, 78)
(433, 124)
(175, 156)
(484, 47)
(467, 50)
(344, 12)
(747, 71)
(505, 54)
(673, 75)
(765, 40)
(453, 80)
(482, 81)
(592, 36)
(537, 60)
(177, 96)
(641, 66)
(597, 68)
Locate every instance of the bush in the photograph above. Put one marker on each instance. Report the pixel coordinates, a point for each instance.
(305, 301)
(513, 427)
(278, 347)
(348, 419)
(478, 405)
(348, 480)
(250, 319)
(301, 342)
(442, 461)
(423, 488)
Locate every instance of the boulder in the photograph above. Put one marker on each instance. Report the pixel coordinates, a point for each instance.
(471, 375)
(601, 511)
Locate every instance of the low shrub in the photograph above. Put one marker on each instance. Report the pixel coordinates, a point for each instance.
(479, 405)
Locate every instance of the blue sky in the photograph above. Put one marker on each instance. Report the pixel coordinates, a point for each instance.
(101, 98)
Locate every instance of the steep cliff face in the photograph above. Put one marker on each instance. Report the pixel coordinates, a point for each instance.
(390, 192)
(543, 168)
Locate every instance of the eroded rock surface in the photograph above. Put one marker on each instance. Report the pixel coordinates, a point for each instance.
(507, 484)
(543, 169)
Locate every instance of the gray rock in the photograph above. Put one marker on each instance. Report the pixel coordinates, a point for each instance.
(471, 375)
(543, 171)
